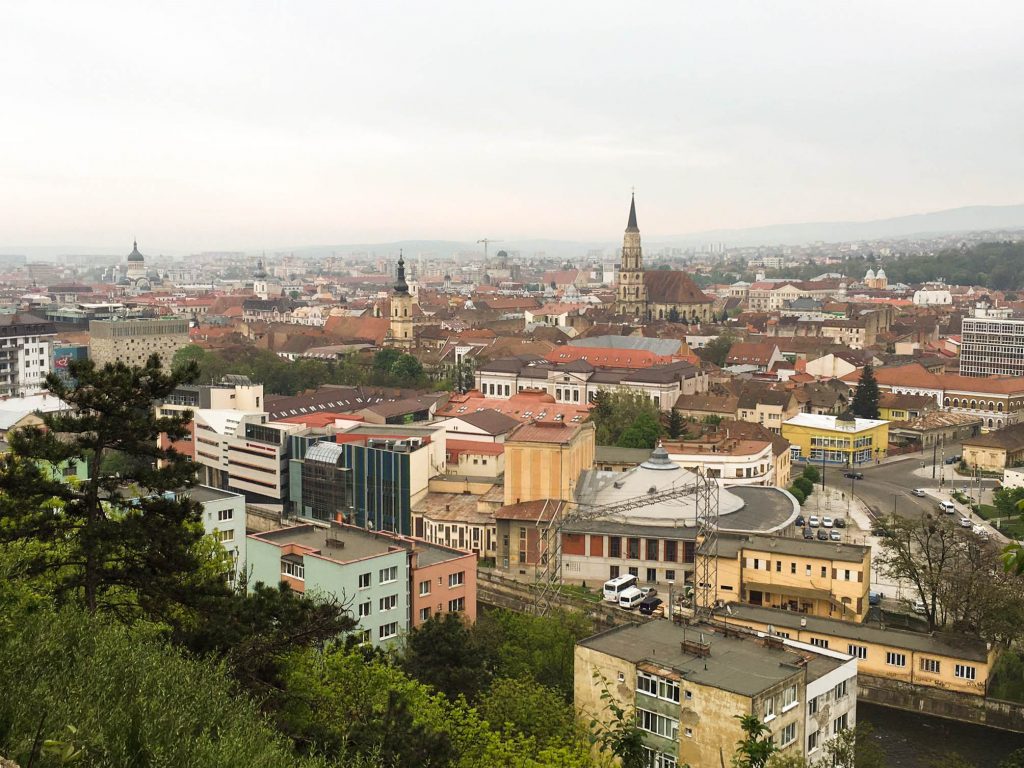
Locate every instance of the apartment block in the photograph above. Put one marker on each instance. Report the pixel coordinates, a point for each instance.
(992, 343)
(25, 343)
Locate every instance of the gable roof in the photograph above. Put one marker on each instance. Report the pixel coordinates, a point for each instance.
(490, 421)
(665, 286)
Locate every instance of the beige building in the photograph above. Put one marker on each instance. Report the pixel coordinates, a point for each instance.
(132, 342)
(688, 685)
(997, 450)
(816, 578)
(544, 459)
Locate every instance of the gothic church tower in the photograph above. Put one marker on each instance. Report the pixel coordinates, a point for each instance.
(401, 333)
(632, 293)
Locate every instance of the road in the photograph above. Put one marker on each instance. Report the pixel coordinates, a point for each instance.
(886, 488)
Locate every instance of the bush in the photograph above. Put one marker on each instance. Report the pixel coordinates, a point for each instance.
(811, 473)
(797, 494)
(1008, 677)
(805, 486)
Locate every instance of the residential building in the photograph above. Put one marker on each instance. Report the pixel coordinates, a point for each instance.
(463, 521)
(223, 517)
(381, 576)
(847, 441)
(813, 577)
(762, 355)
(688, 686)
(25, 342)
(133, 342)
(766, 406)
(997, 450)
(893, 406)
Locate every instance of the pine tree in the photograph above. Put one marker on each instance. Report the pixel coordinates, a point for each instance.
(122, 540)
(865, 400)
(676, 424)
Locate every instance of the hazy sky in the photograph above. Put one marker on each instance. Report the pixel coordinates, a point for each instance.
(219, 124)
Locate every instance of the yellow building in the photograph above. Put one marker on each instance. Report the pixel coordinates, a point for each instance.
(949, 662)
(543, 460)
(817, 578)
(689, 684)
(846, 441)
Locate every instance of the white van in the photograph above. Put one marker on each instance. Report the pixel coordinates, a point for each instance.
(947, 507)
(616, 586)
(631, 598)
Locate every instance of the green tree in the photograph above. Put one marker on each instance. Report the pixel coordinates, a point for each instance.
(673, 315)
(616, 732)
(811, 473)
(442, 652)
(806, 486)
(530, 709)
(615, 412)
(676, 425)
(407, 371)
(126, 543)
(756, 748)
(797, 494)
(642, 433)
(717, 350)
(865, 399)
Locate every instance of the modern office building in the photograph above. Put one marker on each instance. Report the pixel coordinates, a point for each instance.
(991, 343)
(847, 441)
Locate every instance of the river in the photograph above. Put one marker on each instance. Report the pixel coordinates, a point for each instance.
(912, 740)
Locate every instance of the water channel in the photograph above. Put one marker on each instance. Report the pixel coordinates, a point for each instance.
(912, 740)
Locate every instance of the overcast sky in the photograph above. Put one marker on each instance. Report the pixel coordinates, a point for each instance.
(219, 124)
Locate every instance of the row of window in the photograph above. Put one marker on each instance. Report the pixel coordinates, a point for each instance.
(458, 605)
(845, 574)
(659, 725)
(789, 700)
(897, 659)
(659, 687)
(839, 725)
(652, 574)
(651, 549)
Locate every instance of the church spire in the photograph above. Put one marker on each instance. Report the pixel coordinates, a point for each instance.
(631, 226)
(400, 285)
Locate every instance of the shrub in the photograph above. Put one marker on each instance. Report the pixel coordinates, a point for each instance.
(805, 485)
(797, 494)
(811, 473)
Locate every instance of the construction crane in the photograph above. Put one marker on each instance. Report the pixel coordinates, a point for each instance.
(487, 241)
(548, 574)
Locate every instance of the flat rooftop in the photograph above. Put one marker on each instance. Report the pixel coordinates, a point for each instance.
(833, 423)
(741, 665)
(729, 546)
(204, 493)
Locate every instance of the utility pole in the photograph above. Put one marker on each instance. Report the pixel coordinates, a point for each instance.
(487, 241)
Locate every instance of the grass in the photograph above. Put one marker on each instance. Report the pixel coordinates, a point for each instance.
(986, 511)
(1012, 527)
(584, 592)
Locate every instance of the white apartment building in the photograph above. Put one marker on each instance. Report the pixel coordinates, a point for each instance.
(991, 343)
(223, 517)
(25, 350)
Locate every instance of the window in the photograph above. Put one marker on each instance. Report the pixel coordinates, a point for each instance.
(634, 571)
(858, 651)
(457, 605)
(655, 759)
(424, 614)
(633, 549)
(614, 547)
(965, 672)
(824, 572)
(293, 569)
(839, 725)
(812, 742)
(769, 708)
(387, 575)
(364, 580)
(670, 575)
(657, 724)
(456, 579)
(931, 665)
(778, 566)
(839, 691)
(689, 695)
(894, 659)
(652, 549)
(652, 575)
(389, 603)
(224, 536)
(792, 569)
(613, 572)
(789, 698)
(671, 551)
(812, 706)
(807, 570)
(788, 735)
(424, 587)
(388, 631)
(658, 687)
(820, 642)
(225, 514)
(364, 609)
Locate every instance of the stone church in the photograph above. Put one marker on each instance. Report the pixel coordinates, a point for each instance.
(654, 295)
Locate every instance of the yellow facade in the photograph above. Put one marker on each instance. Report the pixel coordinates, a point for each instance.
(797, 576)
(986, 458)
(545, 462)
(810, 435)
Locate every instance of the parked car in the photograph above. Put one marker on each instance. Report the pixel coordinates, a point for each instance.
(835, 535)
(952, 459)
(649, 605)
(822, 534)
(947, 507)
(919, 607)
(965, 522)
(840, 522)
(854, 475)
(919, 492)
(874, 598)
(827, 522)
(808, 533)
(813, 521)
(631, 598)
(800, 521)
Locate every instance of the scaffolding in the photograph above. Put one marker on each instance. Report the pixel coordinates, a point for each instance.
(552, 521)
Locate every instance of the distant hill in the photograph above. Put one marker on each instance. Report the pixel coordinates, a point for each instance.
(967, 219)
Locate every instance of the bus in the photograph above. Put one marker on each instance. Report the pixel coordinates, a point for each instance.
(615, 587)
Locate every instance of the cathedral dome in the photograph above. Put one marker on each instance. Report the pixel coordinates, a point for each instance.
(135, 256)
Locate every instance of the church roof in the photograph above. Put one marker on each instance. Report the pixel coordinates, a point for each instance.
(672, 287)
(400, 285)
(631, 226)
(135, 255)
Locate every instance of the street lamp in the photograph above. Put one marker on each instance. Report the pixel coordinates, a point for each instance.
(669, 612)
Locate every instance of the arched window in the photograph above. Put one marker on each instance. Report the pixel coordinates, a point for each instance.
(991, 405)
(999, 407)
(999, 423)
(956, 402)
(946, 402)
(406, 312)
(974, 405)
(990, 423)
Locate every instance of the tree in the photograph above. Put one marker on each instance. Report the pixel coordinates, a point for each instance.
(806, 486)
(615, 412)
(756, 748)
(811, 473)
(673, 315)
(127, 543)
(617, 733)
(642, 433)
(797, 494)
(865, 399)
(442, 653)
(407, 371)
(676, 425)
(717, 350)
(523, 706)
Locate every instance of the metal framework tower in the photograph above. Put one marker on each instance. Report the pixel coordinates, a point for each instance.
(548, 574)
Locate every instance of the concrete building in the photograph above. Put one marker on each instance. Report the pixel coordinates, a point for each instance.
(223, 517)
(997, 450)
(25, 343)
(393, 583)
(991, 343)
(544, 460)
(820, 438)
(132, 342)
(689, 684)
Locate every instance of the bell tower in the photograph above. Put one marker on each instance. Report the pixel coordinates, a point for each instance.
(401, 333)
(632, 294)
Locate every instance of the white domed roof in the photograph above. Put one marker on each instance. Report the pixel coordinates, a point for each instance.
(870, 275)
(880, 274)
